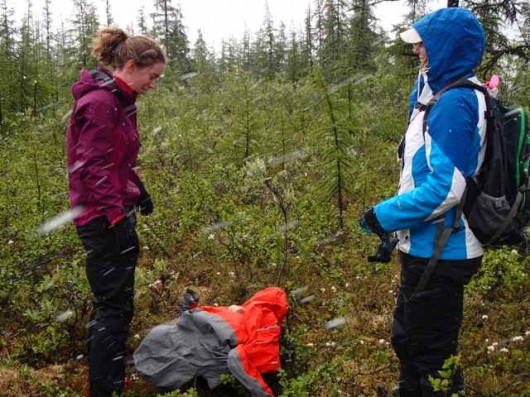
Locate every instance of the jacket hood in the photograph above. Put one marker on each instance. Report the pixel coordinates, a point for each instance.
(274, 298)
(99, 78)
(454, 40)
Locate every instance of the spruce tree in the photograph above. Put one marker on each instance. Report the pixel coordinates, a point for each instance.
(307, 44)
(293, 65)
(170, 29)
(334, 44)
(495, 16)
(108, 13)
(363, 40)
(203, 62)
(85, 26)
(141, 21)
(8, 89)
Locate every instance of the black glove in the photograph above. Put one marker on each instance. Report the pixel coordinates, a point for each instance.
(145, 204)
(384, 251)
(125, 236)
(189, 300)
(370, 224)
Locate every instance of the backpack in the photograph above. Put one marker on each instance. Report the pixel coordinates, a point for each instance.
(495, 202)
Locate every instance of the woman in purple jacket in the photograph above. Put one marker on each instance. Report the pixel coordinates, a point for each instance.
(102, 148)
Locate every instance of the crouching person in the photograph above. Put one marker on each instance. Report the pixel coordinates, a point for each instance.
(208, 341)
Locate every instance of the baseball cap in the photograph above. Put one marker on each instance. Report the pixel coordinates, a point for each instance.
(410, 36)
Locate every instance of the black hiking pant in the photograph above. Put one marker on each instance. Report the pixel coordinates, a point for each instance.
(110, 274)
(426, 328)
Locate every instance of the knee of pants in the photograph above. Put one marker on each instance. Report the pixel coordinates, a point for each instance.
(121, 309)
(407, 349)
(401, 347)
(400, 338)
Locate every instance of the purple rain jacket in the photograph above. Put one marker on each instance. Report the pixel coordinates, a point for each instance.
(102, 145)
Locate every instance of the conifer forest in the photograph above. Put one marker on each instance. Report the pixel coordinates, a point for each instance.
(260, 158)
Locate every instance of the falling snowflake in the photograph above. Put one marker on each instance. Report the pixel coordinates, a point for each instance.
(335, 323)
(64, 316)
(59, 220)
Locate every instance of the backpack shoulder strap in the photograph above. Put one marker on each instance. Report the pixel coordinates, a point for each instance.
(463, 83)
(442, 236)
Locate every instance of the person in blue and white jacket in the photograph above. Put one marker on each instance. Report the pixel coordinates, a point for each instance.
(435, 164)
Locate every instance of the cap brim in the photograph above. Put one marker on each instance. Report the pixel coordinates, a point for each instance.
(410, 36)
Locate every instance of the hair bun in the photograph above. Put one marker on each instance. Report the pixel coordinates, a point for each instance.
(106, 42)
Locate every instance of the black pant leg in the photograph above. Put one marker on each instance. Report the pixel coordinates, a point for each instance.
(426, 329)
(111, 277)
(434, 324)
(409, 377)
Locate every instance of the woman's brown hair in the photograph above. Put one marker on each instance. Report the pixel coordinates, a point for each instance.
(114, 47)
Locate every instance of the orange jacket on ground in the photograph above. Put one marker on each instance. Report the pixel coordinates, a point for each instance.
(208, 341)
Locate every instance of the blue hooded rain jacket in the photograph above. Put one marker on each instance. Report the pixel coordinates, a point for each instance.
(436, 163)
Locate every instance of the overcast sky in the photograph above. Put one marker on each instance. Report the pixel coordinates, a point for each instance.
(217, 19)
